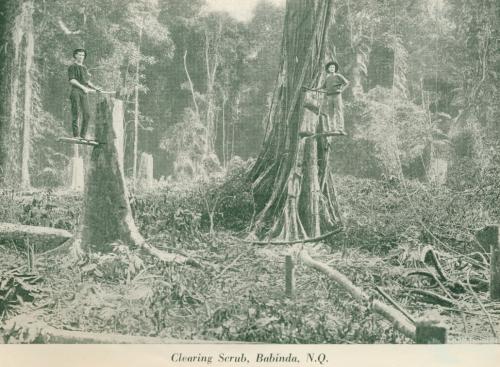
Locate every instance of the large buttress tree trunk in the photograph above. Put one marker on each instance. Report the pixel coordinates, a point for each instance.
(212, 60)
(292, 181)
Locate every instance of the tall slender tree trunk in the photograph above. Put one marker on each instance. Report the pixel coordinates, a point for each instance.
(224, 143)
(393, 165)
(210, 115)
(231, 155)
(197, 168)
(235, 120)
(136, 112)
(28, 93)
(191, 87)
(13, 143)
(292, 179)
(16, 128)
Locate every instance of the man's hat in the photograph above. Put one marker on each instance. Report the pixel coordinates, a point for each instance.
(330, 64)
(79, 50)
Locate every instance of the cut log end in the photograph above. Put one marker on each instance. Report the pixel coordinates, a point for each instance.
(43, 238)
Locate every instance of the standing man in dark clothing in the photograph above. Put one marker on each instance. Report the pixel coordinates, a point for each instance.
(78, 76)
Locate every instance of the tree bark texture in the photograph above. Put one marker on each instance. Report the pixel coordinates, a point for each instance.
(146, 179)
(360, 69)
(17, 95)
(76, 174)
(107, 216)
(212, 60)
(28, 94)
(292, 180)
(4, 82)
(440, 154)
(136, 110)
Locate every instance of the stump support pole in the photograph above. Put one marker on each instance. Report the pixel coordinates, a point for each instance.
(431, 333)
(289, 276)
(488, 239)
(495, 264)
(30, 253)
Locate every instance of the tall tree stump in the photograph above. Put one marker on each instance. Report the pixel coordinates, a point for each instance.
(146, 171)
(430, 331)
(438, 165)
(76, 171)
(488, 238)
(289, 276)
(495, 269)
(107, 217)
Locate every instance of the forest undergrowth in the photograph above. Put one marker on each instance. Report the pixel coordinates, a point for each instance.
(412, 240)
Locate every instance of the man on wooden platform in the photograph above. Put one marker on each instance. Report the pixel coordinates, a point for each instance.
(79, 79)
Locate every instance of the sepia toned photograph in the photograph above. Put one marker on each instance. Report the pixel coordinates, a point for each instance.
(254, 172)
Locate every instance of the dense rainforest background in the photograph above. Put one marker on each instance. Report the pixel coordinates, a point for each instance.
(176, 65)
(420, 164)
(197, 82)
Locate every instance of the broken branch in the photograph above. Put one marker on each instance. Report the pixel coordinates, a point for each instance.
(395, 304)
(395, 316)
(437, 298)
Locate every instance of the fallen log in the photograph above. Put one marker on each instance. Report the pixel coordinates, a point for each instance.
(43, 238)
(29, 330)
(398, 319)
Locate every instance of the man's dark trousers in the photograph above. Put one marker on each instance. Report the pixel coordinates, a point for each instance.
(79, 103)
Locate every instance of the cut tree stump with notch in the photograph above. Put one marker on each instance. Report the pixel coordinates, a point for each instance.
(107, 216)
(146, 171)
